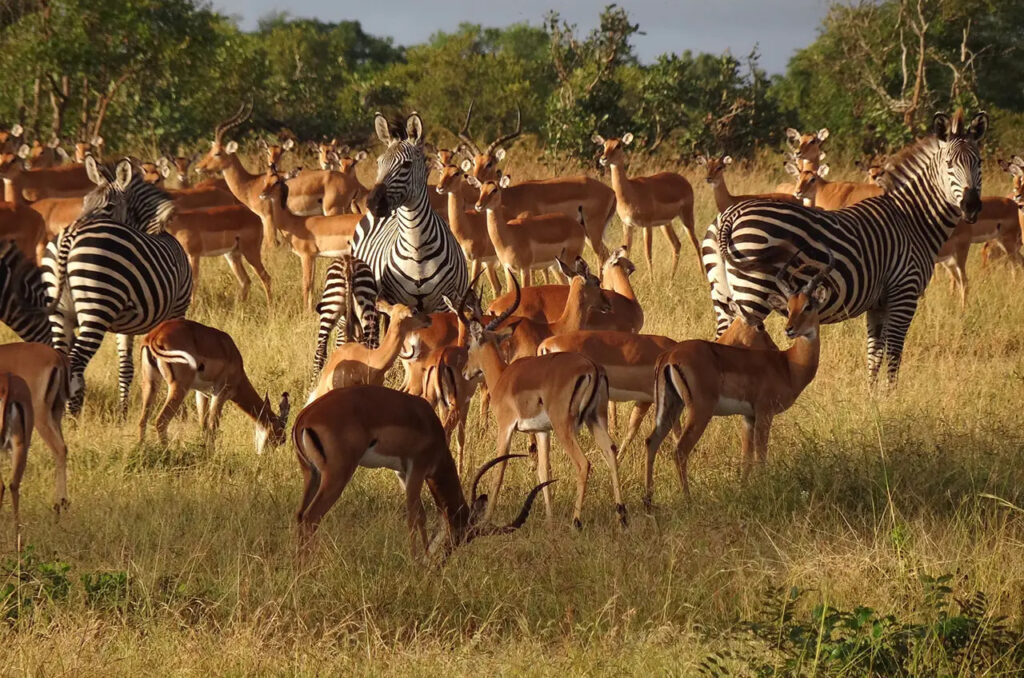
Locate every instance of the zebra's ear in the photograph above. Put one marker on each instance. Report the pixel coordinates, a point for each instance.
(123, 173)
(978, 126)
(940, 126)
(414, 128)
(92, 171)
(380, 125)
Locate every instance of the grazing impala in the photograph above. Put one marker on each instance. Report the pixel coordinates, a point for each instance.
(16, 423)
(232, 231)
(708, 380)
(815, 191)
(353, 363)
(468, 227)
(545, 303)
(376, 427)
(564, 195)
(716, 178)
(45, 371)
(190, 356)
(648, 202)
(560, 392)
(527, 243)
(311, 236)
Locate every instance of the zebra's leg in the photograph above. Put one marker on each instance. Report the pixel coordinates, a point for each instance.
(876, 318)
(62, 330)
(234, 260)
(125, 372)
(901, 312)
(328, 318)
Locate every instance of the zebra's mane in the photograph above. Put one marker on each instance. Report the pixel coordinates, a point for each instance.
(906, 163)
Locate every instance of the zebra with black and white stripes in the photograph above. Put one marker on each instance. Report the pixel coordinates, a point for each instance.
(22, 297)
(349, 298)
(884, 247)
(115, 270)
(410, 249)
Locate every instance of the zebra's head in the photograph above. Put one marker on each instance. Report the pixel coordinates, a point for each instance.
(401, 168)
(124, 196)
(960, 160)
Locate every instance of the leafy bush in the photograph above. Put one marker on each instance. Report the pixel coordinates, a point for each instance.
(28, 582)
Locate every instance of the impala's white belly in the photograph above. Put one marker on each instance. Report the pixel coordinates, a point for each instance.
(620, 395)
(730, 406)
(334, 253)
(372, 459)
(537, 424)
(219, 251)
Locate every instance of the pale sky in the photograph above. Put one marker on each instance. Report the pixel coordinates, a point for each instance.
(779, 27)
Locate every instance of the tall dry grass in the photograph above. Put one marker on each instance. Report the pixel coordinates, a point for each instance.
(181, 559)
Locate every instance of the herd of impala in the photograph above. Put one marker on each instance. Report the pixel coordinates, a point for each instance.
(545, 359)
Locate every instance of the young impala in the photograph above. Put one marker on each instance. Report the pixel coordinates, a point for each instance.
(648, 202)
(376, 427)
(708, 380)
(191, 356)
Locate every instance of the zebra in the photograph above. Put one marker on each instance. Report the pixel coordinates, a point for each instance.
(884, 246)
(410, 249)
(350, 294)
(114, 270)
(22, 296)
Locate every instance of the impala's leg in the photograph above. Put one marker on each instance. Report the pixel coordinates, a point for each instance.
(600, 432)
(508, 277)
(546, 273)
(415, 515)
(567, 436)
(332, 482)
(690, 224)
(693, 429)
(670, 406)
(20, 439)
(505, 433)
(674, 243)
(627, 236)
(203, 409)
(876, 319)
(747, 442)
(308, 269)
(613, 415)
(252, 255)
(636, 417)
(474, 268)
(216, 407)
(526, 275)
(234, 260)
(149, 372)
(492, 278)
(762, 429)
(177, 389)
(648, 242)
(48, 425)
(125, 372)
(193, 262)
(544, 469)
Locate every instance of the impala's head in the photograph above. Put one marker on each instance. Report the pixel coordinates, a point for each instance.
(959, 161)
(46, 155)
(404, 318)
(272, 428)
(326, 152)
(801, 305)
(219, 158)
(447, 156)
(585, 283)
(714, 167)
(449, 179)
(346, 164)
(401, 168)
(154, 172)
(807, 179)
(490, 191)
(874, 168)
(275, 188)
(470, 524)
(613, 151)
(177, 166)
(13, 162)
(481, 339)
(617, 259)
(1015, 168)
(10, 138)
(484, 163)
(274, 151)
(807, 146)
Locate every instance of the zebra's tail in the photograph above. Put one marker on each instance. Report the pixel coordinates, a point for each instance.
(64, 242)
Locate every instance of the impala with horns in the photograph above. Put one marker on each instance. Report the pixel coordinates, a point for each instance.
(648, 202)
(190, 356)
(561, 392)
(68, 181)
(376, 427)
(310, 236)
(708, 379)
(564, 195)
(45, 371)
(545, 303)
(716, 179)
(815, 191)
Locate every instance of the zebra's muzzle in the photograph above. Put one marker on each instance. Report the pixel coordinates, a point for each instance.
(377, 201)
(971, 205)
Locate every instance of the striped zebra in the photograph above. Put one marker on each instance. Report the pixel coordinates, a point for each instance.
(884, 246)
(410, 249)
(22, 295)
(115, 270)
(349, 299)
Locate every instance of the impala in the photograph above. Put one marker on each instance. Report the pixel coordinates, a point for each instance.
(311, 236)
(177, 166)
(10, 139)
(44, 156)
(274, 151)
(708, 380)
(1015, 168)
(564, 195)
(446, 388)
(93, 147)
(545, 303)
(232, 231)
(45, 371)
(560, 392)
(353, 363)
(55, 182)
(469, 227)
(806, 151)
(376, 427)
(324, 191)
(191, 356)
(814, 190)
(16, 423)
(22, 224)
(527, 243)
(648, 202)
(716, 178)
(57, 213)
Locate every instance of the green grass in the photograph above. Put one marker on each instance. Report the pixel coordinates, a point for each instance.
(181, 561)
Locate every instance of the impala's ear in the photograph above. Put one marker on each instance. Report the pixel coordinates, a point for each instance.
(92, 171)
(819, 295)
(727, 160)
(165, 170)
(791, 169)
(231, 148)
(123, 173)
(53, 143)
(380, 125)
(499, 154)
(978, 126)
(778, 303)
(792, 136)
(823, 171)
(823, 134)
(627, 138)
(598, 139)
(467, 166)
(566, 271)
(360, 156)
(505, 181)
(1016, 170)
(23, 151)
(414, 128)
(288, 144)
(17, 130)
(701, 160)
(473, 181)
(61, 153)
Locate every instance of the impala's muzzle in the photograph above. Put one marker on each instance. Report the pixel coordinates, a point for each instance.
(971, 205)
(377, 201)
